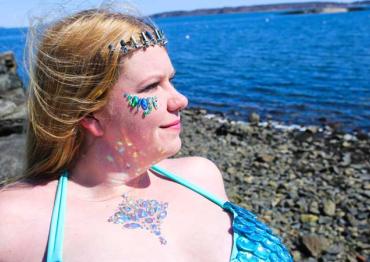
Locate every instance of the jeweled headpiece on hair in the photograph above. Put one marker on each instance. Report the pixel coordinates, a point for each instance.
(145, 40)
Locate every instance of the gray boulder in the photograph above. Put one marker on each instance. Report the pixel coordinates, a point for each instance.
(12, 119)
(12, 97)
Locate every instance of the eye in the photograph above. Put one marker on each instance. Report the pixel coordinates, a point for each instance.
(151, 86)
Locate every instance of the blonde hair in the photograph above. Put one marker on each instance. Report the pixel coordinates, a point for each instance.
(71, 73)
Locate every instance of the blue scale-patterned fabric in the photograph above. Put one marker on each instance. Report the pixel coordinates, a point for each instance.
(253, 240)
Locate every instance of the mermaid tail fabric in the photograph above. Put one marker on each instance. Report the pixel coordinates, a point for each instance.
(253, 240)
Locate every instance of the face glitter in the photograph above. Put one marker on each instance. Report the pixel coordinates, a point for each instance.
(110, 158)
(143, 214)
(120, 148)
(146, 104)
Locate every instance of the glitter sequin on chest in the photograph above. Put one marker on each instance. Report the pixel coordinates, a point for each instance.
(141, 214)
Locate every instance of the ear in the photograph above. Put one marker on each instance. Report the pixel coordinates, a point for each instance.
(92, 125)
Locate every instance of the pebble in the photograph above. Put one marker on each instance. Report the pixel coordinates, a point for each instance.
(315, 244)
(329, 208)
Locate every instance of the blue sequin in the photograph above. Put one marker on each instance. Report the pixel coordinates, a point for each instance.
(254, 240)
(245, 244)
(244, 257)
(132, 225)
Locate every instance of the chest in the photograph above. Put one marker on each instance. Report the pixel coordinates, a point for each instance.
(200, 232)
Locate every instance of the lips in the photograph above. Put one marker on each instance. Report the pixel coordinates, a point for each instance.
(171, 124)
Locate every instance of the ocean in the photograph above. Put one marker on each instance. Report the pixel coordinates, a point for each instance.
(295, 69)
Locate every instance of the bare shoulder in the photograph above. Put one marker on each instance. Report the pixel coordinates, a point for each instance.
(13, 201)
(22, 211)
(198, 170)
(23, 197)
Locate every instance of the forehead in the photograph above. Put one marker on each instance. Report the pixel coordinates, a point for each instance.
(145, 63)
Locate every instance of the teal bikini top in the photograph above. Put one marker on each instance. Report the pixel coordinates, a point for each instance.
(252, 239)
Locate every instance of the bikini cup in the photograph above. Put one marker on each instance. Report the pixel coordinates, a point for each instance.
(253, 240)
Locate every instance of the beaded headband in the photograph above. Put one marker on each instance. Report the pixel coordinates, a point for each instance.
(146, 39)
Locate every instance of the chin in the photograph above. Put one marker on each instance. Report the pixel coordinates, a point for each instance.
(171, 148)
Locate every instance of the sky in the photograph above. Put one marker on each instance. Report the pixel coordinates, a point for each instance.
(15, 13)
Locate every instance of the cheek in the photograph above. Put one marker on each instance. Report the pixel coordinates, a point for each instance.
(138, 129)
(133, 124)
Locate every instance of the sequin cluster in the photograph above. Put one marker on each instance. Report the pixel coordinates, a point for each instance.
(144, 214)
(254, 240)
(147, 103)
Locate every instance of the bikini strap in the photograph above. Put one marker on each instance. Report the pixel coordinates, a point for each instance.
(56, 233)
(189, 185)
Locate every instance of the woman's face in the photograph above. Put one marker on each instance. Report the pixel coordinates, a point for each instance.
(133, 137)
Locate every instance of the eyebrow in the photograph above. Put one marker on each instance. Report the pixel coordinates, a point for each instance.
(155, 76)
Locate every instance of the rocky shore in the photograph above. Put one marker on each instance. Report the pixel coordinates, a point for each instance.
(310, 184)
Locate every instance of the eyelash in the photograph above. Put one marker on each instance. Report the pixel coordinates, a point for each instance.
(154, 85)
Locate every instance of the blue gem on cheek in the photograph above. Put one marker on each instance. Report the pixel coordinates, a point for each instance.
(144, 104)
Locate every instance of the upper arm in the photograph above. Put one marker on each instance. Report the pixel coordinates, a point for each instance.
(8, 239)
(18, 225)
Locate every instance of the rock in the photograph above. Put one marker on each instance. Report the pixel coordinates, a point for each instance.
(231, 170)
(350, 258)
(245, 129)
(349, 171)
(314, 208)
(329, 208)
(6, 108)
(297, 255)
(312, 129)
(360, 258)
(309, 218)
(335, 249)
(362, 136)
(352, 220)
(346, 144)
(12, 150)
(222, 130)
(349, 137)
(314, 244)
(275, 201)
(302, 204)
(346, 159)
(264, 158)
(12, 98)
(254, 118)
(8, 73)
(248, 179)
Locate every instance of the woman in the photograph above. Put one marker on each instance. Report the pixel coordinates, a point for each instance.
(104, 118)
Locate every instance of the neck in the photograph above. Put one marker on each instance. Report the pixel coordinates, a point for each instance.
(96, 176)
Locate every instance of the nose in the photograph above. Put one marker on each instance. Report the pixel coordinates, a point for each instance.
(176, 101)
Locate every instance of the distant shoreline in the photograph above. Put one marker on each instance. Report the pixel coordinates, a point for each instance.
(289, 8)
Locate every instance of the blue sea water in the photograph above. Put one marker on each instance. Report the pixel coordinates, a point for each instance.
(298, 69)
